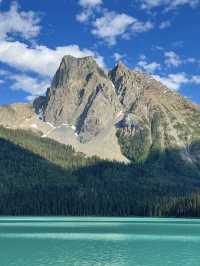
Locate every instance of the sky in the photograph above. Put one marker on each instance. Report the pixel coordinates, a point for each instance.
(160, 37)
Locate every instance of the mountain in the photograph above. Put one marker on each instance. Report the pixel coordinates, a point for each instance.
(101, 142)
(122, 115)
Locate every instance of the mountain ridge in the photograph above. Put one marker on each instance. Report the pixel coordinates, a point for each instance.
(121, 115)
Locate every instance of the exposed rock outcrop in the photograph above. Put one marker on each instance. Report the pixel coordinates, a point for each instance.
(81, 95)
(123, 114)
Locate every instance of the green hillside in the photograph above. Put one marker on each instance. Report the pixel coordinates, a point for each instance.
(42, 177)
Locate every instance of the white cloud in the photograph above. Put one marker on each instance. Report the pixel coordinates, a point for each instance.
(139, 26)
(118, 56)
(148, 4)
(143, 57)
(90, 3)
(84, 15)
(40, 59)
(113, 25)
(148, 67)
(173, 81)
(24, 24)
(191, 60)
(31, 98)
(168, 4)
(110, 25)
(195, 80)
(4, 73)
(176, 3)
(165, 24)
(28, 84)
(34, 86)
(89, 8)
(178, 44)
(172, 59)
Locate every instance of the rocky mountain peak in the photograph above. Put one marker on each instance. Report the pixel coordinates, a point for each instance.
(81, 95)
(120, 67)
(127, 84)
(124, 113)
(75, 68)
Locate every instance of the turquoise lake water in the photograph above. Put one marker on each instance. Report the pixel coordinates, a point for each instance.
(99, 242)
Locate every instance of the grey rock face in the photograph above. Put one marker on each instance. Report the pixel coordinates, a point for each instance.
(146, 114)
(81, 95)
(128, 85)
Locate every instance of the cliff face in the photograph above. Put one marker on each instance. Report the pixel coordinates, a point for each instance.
(120, 115)
(155, 118)
(81, 95)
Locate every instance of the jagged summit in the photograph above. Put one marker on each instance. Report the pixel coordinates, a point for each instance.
(123, 114)
(73, 58)
(72, 68)
(81, 94)
(120, 66)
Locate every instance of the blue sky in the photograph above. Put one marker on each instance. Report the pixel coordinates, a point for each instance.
(160, 37)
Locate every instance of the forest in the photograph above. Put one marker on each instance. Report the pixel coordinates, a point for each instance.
(39, 176)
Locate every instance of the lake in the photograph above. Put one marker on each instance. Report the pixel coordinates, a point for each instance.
(46, 241)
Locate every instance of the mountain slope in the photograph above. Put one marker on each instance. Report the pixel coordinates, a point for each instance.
(155, 117)
(39, 176)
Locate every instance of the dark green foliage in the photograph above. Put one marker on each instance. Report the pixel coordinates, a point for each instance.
(42, 177)
(53, 151)
(139, 145)
(136, 147)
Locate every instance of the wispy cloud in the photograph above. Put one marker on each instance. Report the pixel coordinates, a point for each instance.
(25, 24)
(161, 72)
(89, 8)
(148, 67)
(117, 57)
(140, 26)
(112, 25)
(27, 58)
(177, 80)
(90, 3)
(173, 81)
(196, 80)
(165, 24)
(168, 4)
(172, 59)
(40, 59)
(34, 86)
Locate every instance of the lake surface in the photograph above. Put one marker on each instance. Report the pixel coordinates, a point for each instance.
(99, 242)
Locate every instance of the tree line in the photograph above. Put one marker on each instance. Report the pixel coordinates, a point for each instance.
(42, 177)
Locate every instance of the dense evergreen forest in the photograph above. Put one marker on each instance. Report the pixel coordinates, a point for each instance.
(42, 177)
